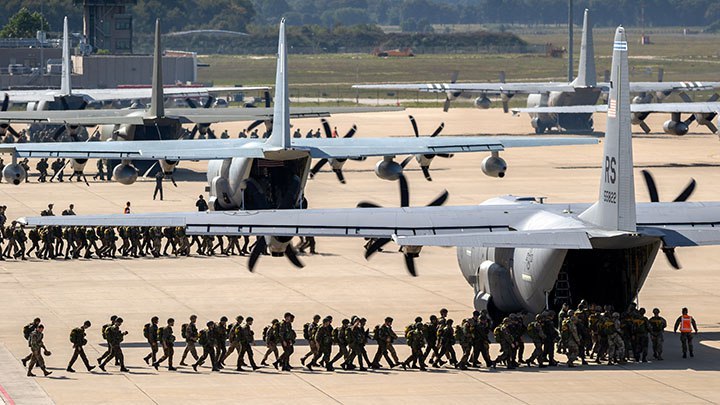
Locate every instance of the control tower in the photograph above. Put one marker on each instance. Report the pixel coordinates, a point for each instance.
(107, 25)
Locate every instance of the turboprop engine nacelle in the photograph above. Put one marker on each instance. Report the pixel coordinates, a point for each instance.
(675, 127)
(125, 173)
(388, 169)
(14, 174)
(117, 132)
(482, 103)
(78, 165)
(494, 166)
(168, 166)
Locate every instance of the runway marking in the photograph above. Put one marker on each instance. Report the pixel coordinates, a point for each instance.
(492, 386)
(668, 386)
(6, 397)
(297, 375)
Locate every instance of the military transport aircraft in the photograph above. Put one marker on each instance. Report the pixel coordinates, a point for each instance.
(251, 174)
(67, 99)
(583, 91)
(511, 250)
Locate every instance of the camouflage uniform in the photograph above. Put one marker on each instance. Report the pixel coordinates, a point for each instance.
(167, 340)
(657, 327)
(191, 337)
(536, 333)
(271, 336)
(207, 341)
(77, 338)
(616, 345)
(247, 339)
(37, 347)
(446, 340)
(570, 338)
(287, 340)
(324, 340)
(416, 341)
(309, 330)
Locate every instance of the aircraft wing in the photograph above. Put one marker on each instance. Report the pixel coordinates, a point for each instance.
(185, 115)
(681, 224)
(685, 108)
(666, 87)
(480, 88)
(208, 149)
(145, 93)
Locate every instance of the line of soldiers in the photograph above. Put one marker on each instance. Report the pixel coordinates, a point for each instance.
(583, 333)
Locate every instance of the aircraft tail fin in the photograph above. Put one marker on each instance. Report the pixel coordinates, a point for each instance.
(157, 101)
(65, 88)
(280, 136)
(587, 76)
(615, 208)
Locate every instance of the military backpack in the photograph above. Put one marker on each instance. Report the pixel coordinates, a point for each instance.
(105, 330)
(203, 337)
(376, 333)
(76, 336)
(160, 332)
(306, 331)
(146, 331)
(183, 330)
(28, 329)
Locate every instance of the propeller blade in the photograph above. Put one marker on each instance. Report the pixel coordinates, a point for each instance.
(454, 76)
(414, 125)
(340, 175)
(194, 131)
(367, 204)
(506, 106)
(58, 131)
(711, 127)
(291, 254)
(445, 155)
(645, 127)
(317, 167)
(410, 265)
(5, 103)
(684, 96)
(351, 132)
(326, 128)
(65, 105)
(258, 249)
(404, 191)
(670, 255)
(209, 102)
(713, 98)
(652, 187)
(690, 119)
(438, 130)
(13, 131)
(268, 98)
(375, 246)
(426, 172)
(190, 102)
(439, 200)
(446, 104)
(406, 161)
(255, 124)
(83, 105)
(687, 192)
(147, 172)
(661, 74)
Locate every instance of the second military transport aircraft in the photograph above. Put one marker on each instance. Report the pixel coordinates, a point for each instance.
(512, 251)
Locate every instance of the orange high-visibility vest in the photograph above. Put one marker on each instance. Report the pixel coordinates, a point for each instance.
(686, 324)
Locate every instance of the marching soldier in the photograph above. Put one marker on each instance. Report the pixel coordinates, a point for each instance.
(247, 339)
(446, 340)
(167, 340)
(115, 338)
(287, 340)
(687, 324)
(38, 348)
(657, 327)
(150, 332)
(77, 338)
(309, 330)
(323, 340)
(340, 339)
(535, 331)
(205, 339)
(27, 331)
(383, 337)
(503, 335)
(234, 340)
(642, 331)
(616, 345)
(271, 336)
(190, 334)
(570, 337)
(430, 332)
(220, 338)
(416, 341)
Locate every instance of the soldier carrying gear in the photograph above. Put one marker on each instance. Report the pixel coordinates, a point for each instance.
(416, 341)
(339, 335)
(355, 336)
(309, 331)
(383, 335)
(220, 338)
(271, 337)
(190, 334)
(430, 331)
(535, 331)
(657, 327)
(570, 337)
(234, 339)
(287, 340)
(104, 332)
(247, 339)
(77, 338)
(446, 340)
(38, 349)
(167, 340)
(27, 330)
(206, 340)
(616, 345)
(115, 337)
(323, 340)
(150, 333)
(503, 335)
(641, 337)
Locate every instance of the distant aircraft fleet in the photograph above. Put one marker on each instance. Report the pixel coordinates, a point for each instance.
(511, 250)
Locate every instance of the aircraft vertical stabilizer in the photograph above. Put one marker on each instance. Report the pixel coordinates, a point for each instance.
(587, 77)
(157, 102)
(280, 136)
(65, 88)
(615, 208)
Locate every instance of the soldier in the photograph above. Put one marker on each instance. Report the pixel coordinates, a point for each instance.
(551, 334)
(169, 234)
(430, 332)
(446, 340)
(247, 339)
(535, 331)
(503, 336)
(159, 176)
(570, 337)
(340, 339)
(20, 240)
(42, 167)
(518, 328)
(480, 339)
(115, 338)
(150, 332)
(77, 338)
(25, 165)
(657, 327)
(190, 334)
(416, 341)
(206, 340)
(271, 337)
(687, 324)
(100, 171)
(104, 331)
(616, 345)
(309, 330)
(38, 348)
(27, 330)
(167, 340)
(642, 330)
(443, 316)
(92, 238)
(34, 236)
(201, 204)
(234, 340)
(594, 328)
(287, 340)
(127, 210)
(364, 340)
(561, 317)
(353, 337)
(463, 337)
(57, 168)
(383, 337)
(219, 339)
(323, 340)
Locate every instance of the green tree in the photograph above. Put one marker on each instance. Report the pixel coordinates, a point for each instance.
(24, 24)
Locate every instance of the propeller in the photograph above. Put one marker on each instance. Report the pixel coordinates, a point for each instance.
(338, 163)
(374, 245)
(453, 79)
(707, 118)
(425, 160)
(268, 101)
(198, 127)
(261, 246)
(6, 127)
(655, 197)
(59, 131)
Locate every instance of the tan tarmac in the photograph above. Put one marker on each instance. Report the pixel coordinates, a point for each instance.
(341, 283)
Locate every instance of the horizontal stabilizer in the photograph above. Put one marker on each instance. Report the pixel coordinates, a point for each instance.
(544, 239)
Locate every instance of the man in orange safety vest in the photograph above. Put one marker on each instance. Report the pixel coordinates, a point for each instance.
(686, 323)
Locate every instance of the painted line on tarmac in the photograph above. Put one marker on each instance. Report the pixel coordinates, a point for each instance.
(6, 397)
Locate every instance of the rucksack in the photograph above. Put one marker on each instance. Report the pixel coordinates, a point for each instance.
(408, 331)
(183, 330)
(146, 331)
(335, 335)
(160, 332)
(75, 337)
(265, 333)
(28, 329)
(306, 331)
(375, 332)
(232, 334)
(203, 337)
(105, 329)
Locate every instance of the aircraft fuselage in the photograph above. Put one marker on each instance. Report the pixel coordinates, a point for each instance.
(575, 123)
